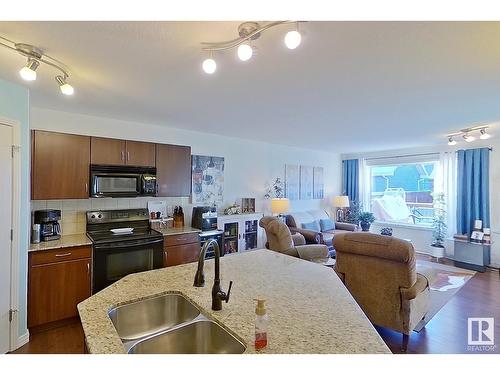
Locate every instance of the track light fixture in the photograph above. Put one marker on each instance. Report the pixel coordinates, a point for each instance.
(465, 134)
(247, 32)
(35, 57)
(28, 73)
(484, 135)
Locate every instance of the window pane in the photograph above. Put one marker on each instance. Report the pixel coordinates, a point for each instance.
(403, 192)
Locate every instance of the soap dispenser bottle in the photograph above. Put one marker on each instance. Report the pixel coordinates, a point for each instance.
(261, 320)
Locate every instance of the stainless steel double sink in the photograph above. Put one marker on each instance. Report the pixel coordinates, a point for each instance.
(170, 324)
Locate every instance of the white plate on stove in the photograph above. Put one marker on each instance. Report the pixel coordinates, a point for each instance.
(122, 230)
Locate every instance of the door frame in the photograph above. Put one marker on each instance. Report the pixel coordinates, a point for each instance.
(16, 227)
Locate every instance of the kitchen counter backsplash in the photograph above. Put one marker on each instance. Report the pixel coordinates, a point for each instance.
(73, 210)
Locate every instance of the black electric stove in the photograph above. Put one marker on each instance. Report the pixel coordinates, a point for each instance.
(116, 255)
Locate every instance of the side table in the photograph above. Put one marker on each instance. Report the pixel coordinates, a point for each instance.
(472, 255)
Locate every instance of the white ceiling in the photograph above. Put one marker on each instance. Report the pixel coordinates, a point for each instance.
(350, 86)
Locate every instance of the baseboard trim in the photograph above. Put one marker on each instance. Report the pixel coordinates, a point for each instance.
(23, 339)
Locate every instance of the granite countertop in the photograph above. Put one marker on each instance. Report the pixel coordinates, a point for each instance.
(174, 231)
(80, 239)
(310, 310)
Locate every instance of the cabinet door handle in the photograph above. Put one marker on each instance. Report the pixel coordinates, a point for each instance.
(128, 155)
(63, 255)
(122, 153)
(88, 268)
(86, 187)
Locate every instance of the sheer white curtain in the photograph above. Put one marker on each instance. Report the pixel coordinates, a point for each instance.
(364, 184)
(446, 182)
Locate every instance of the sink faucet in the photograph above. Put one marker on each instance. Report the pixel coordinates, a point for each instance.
(218, 295)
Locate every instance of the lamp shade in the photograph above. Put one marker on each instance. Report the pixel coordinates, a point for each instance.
(280, 205)
(341, 201)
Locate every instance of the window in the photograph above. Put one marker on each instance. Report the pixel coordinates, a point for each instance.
(402, 192)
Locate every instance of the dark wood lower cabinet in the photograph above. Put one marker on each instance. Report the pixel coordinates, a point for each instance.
(57, 281)
(181, 253)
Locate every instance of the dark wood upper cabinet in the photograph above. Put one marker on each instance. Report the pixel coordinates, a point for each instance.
(140, 154)
(60, 165)
(107, 151)
(173, 170)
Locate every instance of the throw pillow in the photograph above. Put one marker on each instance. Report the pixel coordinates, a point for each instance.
(313, 225)
(326, 224)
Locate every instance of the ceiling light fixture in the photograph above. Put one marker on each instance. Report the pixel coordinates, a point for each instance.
(484, 135)
(466, 134)
(28, 73)
(245, 52)
(65, 87)
(36, 56)
(248, 31)
(293, 38)
(468, 138)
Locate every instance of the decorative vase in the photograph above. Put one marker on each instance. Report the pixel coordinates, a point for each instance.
(365, 227)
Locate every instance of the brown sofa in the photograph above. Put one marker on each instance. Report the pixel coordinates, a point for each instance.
(295, 221)
(380, 273)
(280, 239)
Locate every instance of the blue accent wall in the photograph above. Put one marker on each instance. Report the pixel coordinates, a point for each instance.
(14, 105)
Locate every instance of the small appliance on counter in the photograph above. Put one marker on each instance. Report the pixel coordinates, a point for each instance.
(50, 229)
(205, 219)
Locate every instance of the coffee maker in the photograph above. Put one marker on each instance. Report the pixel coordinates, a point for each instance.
(50, 229)
(204, 218)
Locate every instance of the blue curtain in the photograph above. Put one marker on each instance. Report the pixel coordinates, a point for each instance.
(473, 189)
(350, 179)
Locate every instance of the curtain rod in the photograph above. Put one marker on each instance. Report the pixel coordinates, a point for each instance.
(489, 149)
(403, 156)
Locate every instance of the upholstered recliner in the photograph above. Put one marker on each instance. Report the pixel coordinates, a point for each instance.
(280, 239)
(379, 272)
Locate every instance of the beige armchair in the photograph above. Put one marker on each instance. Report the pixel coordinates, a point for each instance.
(379, 272)
(280, 239)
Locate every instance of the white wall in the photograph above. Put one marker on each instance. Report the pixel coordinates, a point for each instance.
(421, 238)
(249, 165)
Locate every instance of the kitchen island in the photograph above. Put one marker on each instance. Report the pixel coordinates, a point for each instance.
(310, 310)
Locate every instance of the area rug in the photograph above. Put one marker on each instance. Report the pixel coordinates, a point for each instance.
(444, 281)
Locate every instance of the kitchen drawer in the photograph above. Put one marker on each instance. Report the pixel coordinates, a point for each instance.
(180, 239)
(60, 255)
(181, 254)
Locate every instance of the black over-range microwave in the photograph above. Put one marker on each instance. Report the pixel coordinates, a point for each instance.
(122, 181)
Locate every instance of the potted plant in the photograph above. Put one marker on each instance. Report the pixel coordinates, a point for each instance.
(439, 227)
(352, 213)
(365, 220)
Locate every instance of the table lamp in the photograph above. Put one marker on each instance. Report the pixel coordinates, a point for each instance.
(279, 206)
(341, 202)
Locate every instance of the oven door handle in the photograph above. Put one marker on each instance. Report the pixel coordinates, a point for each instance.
(114, 245)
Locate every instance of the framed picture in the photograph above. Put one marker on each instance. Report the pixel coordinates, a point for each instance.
(207, 179)
(318, 185)
(306, 182)
(292, 182)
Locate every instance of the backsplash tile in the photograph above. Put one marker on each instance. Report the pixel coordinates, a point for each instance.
(73, 218)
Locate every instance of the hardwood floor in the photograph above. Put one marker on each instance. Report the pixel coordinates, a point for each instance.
(447, 330)
(65, 339)
(445, 333)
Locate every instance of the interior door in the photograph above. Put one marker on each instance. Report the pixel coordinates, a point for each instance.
(5, 226)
